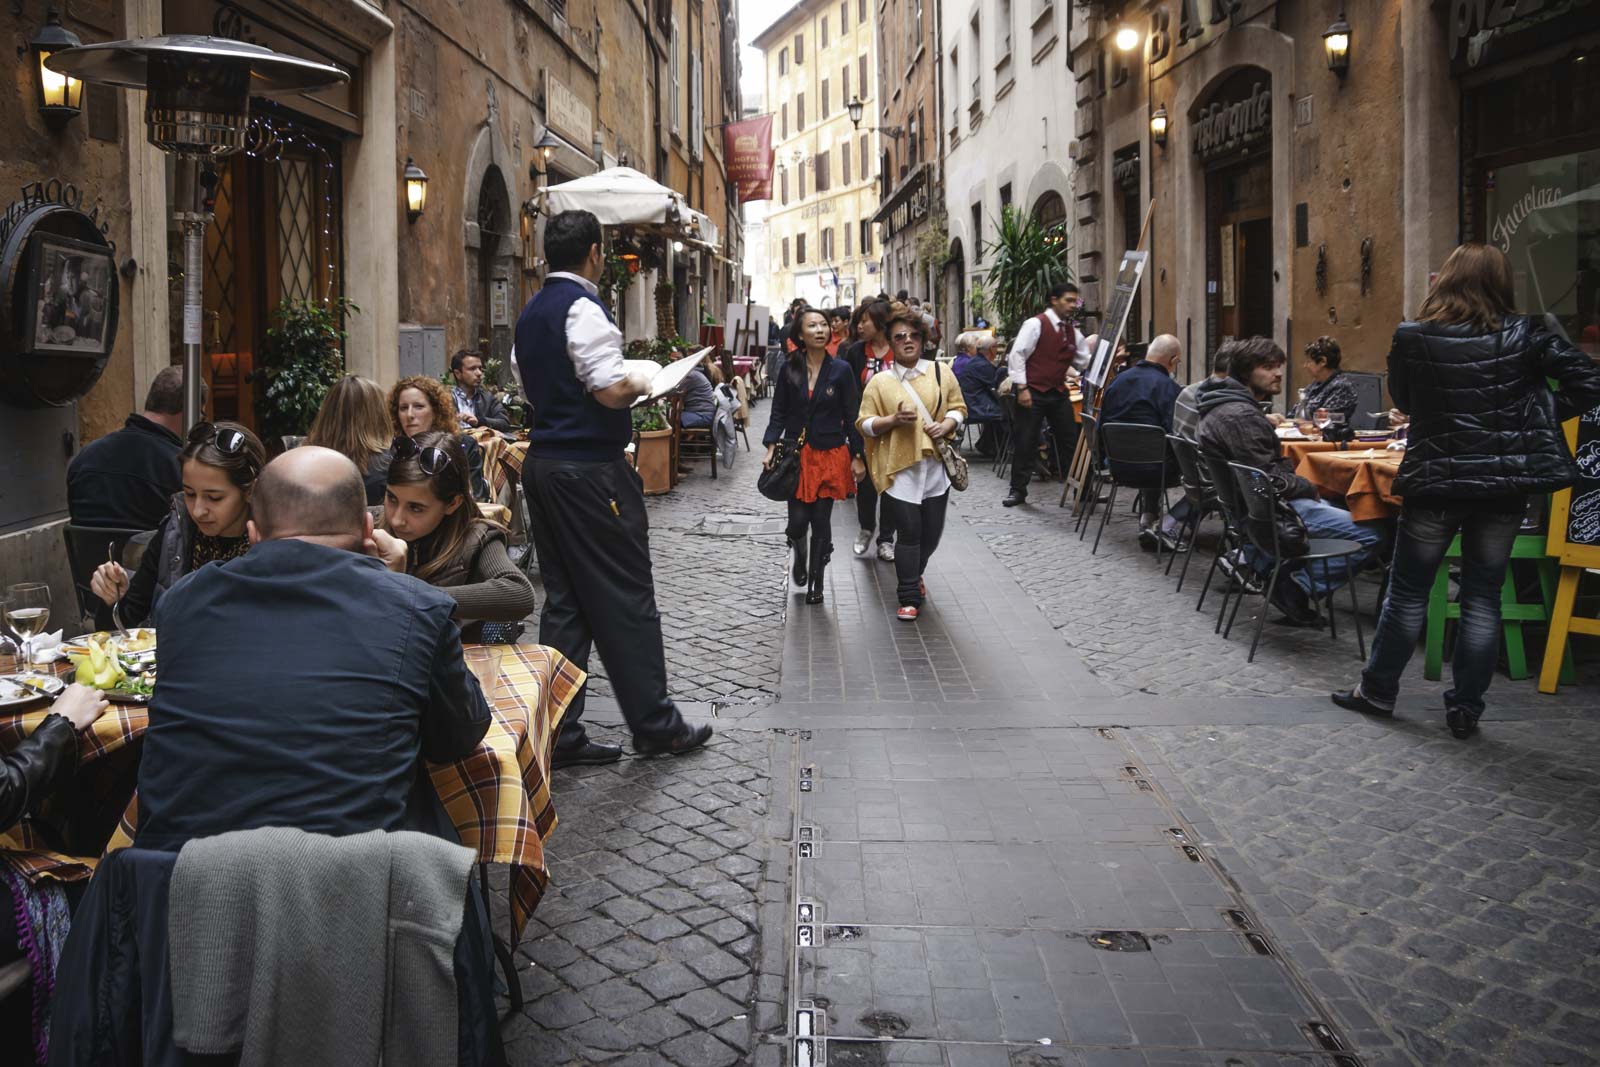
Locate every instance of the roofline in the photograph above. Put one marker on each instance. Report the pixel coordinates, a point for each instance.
(783, 21)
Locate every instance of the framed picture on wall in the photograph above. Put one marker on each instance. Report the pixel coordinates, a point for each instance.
(72, 293)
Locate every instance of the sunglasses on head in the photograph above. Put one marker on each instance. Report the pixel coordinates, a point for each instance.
(224, 439)
(433, 460)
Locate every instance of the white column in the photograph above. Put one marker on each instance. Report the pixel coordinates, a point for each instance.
(371, 214)
(145, 317)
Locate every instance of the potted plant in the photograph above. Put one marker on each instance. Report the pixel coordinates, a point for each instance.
(302, 357)
(1028, 259)
(653, 455)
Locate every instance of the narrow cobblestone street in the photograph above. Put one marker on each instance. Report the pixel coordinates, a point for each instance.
(1059, 821)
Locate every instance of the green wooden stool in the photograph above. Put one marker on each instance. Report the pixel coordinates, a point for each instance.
(1512, 612)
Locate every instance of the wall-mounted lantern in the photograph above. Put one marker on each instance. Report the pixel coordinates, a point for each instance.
(1158, 125)
(1127, 38)
(416, 190)
(60, 96)
(544, 148)
(1336, 43)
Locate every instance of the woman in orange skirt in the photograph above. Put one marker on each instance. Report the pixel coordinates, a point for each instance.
(814, 405)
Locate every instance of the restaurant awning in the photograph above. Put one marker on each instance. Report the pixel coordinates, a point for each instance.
(622, 196)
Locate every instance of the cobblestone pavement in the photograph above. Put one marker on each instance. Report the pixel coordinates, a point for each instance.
(646, 948)
(1455, 886)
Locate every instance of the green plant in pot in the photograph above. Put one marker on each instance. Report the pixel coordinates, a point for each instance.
(648, 417)
(301, 358)
(1028, 259)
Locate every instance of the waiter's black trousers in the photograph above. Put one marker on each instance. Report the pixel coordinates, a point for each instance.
(1056, 406)
(593, 541)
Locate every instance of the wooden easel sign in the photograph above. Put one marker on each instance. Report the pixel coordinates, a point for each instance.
(1574, 539)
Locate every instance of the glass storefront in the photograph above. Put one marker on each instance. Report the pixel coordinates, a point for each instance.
(1545, 215)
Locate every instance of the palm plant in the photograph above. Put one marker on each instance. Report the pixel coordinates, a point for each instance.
(1028, 258)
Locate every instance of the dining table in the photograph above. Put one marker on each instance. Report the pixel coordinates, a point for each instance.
(498, 797)
(1362, 473)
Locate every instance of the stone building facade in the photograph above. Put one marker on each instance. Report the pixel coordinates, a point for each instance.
(1294, 200)
(911, 215)
(821, 242)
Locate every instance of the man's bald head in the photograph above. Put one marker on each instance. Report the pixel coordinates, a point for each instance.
(313, 494)
(1165, 350)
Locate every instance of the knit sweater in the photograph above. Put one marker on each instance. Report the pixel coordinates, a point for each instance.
(891, 453)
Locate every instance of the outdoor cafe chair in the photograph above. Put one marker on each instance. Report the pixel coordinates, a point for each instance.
(87, 548)
(1130, 450)
(1198, 491)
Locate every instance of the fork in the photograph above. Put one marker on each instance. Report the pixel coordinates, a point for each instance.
(116, 615)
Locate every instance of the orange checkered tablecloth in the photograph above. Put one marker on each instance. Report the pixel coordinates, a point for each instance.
(508, 459)
(1364, 477)
(498, 797)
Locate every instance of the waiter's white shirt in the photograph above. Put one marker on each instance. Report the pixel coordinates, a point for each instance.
(1028, 339)
(594, 344)
(925, 478)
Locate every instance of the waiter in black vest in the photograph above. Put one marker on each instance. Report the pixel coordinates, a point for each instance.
(1046, 348)
(589, 524)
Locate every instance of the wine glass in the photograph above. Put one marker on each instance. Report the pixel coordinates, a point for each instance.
(1320, 419)
(10, 653)
(27, 613)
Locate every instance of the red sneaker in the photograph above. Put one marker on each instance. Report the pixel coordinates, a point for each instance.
(907, 614)
(922, 588)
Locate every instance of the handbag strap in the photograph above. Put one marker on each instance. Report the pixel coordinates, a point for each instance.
(811, 405)
(921, 407)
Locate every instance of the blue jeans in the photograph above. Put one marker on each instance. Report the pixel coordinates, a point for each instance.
(1323, 520)
(695, 420)
(1425, 534)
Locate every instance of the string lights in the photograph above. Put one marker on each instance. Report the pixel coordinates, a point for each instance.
(267, 141)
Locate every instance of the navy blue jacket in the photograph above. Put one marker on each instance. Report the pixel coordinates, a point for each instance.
(833, 420)
(296, 686)
(568, 422)
(125, 479)
(1144, 393)
(979, 379)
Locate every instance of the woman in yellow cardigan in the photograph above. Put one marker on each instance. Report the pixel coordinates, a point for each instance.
(901, 459)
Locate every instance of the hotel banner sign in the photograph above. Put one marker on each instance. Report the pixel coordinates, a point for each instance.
(747, 146)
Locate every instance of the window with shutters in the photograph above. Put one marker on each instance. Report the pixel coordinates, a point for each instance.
(844, 18)
(824, 172)
(844, 85)
(1005, 196)
(866, 86)
(697, 104)
(800, 248)
(783, 61)
(861, 11)
(977, 233)
(849, 240)
(822, 41)
(827, 245)
(785, 251)
(800, 178)
(922, 132)
(673, 71)
(799, 112)
(844, 163)
(913, 141)
(799, 49)
(785, 125)
(1002, 31)
(824, 114)
(866, 237)
(783, 186)
(866, 160)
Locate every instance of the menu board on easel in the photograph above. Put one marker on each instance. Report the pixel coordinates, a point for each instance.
(1575, 513)
(1116, 319)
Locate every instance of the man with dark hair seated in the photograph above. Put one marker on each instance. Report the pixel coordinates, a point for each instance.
(475, 405)
(1234, 427)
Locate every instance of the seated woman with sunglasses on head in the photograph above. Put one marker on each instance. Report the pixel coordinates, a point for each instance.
(419, 404)
(448, 544)
(220, 463)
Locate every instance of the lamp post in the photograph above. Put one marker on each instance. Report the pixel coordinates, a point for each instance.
(197, 107)
(416, 190)
(59, 97)
(1336, 43)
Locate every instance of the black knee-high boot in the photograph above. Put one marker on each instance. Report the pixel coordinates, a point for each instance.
(821, 552)
(799, 523)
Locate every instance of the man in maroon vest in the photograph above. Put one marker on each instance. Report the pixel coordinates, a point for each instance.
(1046, 348)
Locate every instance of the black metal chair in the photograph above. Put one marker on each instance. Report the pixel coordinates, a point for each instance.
(1198, 491)
(86, 550)
(1095, 478)
(1232, 543)
(1260, 507)
(1136, 458)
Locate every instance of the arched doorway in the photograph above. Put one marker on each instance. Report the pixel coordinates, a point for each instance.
(1233, 142)
(955, 290)
(492, 268)
(1050, 210)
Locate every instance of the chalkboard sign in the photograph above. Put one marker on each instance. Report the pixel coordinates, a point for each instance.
(1116, 319)
(1575, 513)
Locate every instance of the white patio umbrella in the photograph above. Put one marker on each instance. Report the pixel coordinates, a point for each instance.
(622, 196)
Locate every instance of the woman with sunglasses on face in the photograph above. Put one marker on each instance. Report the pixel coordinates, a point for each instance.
(815, 395)
(448, 544)
(418, 404)
(867, 356)
(219, 463)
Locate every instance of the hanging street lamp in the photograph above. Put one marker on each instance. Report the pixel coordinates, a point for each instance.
(416, 190)
(1336, 43)
(1158, 125)
(198, 108)
(59, 98)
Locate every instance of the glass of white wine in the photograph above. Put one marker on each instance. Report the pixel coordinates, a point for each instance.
(10, 654)
(28, 612)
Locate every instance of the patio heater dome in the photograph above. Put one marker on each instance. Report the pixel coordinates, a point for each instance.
(199, 87)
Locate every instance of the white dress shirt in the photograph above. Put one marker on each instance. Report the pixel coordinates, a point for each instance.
(925, 478)
(1028, 339)
(594, 344)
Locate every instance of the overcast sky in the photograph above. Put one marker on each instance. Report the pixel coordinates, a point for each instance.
(755, 16)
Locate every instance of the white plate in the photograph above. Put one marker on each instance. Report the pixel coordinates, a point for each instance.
(13, 694)
(79, 646)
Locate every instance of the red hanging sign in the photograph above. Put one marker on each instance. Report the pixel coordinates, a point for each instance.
(748, 148)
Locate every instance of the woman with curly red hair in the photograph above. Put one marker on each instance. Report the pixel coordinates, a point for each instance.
(418, 404)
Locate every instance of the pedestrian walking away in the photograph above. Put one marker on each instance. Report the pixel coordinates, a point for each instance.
(869, 354)
(903, 412)
(814, 402)
(587, 504)
(1047, 352)
(1485, 433)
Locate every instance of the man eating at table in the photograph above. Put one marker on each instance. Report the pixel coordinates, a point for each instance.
(1234, 427)
(300, 682)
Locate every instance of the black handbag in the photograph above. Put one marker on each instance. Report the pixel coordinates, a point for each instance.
(1294, 540)
(779, 481)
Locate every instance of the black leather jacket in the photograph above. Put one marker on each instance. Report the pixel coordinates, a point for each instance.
(29, 771)
(1483, 421)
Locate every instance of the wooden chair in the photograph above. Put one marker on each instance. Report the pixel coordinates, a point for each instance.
(1513, 612)
(695, 442)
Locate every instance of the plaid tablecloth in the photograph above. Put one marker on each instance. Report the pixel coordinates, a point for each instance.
(498, 797)
(508, 459)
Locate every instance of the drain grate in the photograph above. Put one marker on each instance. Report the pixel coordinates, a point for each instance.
(1119, 941)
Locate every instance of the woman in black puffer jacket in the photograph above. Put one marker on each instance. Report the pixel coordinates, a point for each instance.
(1485, 433)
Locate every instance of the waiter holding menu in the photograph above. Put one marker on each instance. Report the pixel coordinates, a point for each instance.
(587, 505)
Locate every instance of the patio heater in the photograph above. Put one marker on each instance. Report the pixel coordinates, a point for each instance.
(198, 109)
